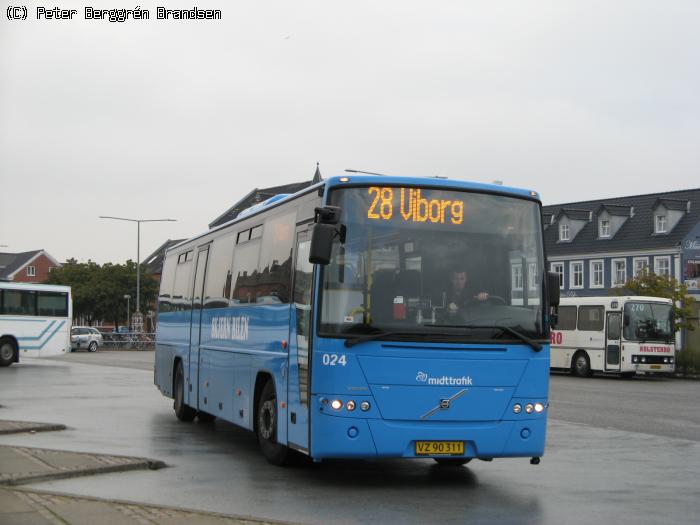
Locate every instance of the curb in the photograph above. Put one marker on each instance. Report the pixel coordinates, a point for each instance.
(18, 427)
(36, 478)
(61, 464)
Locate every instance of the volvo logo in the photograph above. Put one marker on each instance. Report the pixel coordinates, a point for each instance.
(444, 404)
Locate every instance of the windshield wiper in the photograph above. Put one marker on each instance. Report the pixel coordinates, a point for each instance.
(519, 335)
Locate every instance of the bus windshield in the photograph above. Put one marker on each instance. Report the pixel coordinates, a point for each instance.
(432, 264)
(648, 322)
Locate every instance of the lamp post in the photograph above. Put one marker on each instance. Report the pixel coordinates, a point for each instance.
(138, 251)
(127, 297)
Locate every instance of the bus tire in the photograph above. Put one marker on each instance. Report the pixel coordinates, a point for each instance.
(92, 347)
(8, 352)
(266, 415)
(581, 364)
(452, 462)
(182, 411)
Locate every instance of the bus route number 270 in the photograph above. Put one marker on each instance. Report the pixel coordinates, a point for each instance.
(334, 360)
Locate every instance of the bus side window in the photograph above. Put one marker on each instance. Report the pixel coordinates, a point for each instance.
(245, 272)
(567, 318)
(217, 288)
(590, 318)
(275, 266)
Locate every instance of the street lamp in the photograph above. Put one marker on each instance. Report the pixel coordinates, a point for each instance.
(127, 297)
(138, 251)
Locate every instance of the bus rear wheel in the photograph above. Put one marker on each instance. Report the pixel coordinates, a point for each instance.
(7, 352)
(452, 462)
(266, 416)
(581, 365)
(182, 411)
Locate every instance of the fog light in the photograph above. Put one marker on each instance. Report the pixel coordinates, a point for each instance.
(634, 358)
(336, 404)
(665, 359)
(539, 407)
(517, 408)
(364, 406)
(643, 359)
(670, 359)
(350, 405)
(529, 408)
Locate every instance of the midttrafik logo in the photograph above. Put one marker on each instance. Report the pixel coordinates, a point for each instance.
(422, 377)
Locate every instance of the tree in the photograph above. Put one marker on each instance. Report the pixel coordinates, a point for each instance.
(98, 291)
(649, 284)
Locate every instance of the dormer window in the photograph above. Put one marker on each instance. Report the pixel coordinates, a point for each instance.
(604, 228)
(563, 232)
(660, 224)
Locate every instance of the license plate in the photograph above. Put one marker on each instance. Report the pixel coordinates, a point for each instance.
(439, 448)
(654, 367)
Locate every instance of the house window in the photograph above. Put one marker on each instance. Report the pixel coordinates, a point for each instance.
(619, 272)
(558, 268)
(563, 232)
(605, 228)
(31, 271)
(597, 274)
(576, 274)
(660, 224)
(532, 283)
(641, 264)
(517, 275)
(662, 266)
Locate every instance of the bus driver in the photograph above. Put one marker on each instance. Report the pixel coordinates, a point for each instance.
(460, 294)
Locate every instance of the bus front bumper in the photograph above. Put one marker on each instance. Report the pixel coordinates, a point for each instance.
(341, 437)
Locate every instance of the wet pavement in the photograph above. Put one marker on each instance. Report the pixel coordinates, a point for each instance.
(597, 472)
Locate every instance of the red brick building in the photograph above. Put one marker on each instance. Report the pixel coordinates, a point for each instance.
(26, 267)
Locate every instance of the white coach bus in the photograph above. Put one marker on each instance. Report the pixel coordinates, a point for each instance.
(35, 320)
(620, 335)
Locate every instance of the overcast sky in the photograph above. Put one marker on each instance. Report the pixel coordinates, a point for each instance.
(153, 119)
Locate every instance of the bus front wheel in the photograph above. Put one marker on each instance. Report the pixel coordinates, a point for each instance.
(7, 352)
(581, 365)
(266, 427)
(182, 411)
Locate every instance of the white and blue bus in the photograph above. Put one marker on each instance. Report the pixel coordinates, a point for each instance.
(35, 320)
(324, 321)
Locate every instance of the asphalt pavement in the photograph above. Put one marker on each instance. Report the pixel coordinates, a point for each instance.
(599, 467)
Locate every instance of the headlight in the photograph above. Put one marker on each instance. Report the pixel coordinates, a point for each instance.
(539, 407)
(529, 408)
(517, 408)
(364, 406)
(350, 405)
(336, 404)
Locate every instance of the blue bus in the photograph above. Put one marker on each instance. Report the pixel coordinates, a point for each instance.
(366, 317)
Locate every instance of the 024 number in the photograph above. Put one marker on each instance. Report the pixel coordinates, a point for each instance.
(334, 360)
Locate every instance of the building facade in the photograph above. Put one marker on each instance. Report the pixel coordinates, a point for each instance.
(26, 267)
(596, 246)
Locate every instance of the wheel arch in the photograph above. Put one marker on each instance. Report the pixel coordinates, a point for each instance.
(262, 377)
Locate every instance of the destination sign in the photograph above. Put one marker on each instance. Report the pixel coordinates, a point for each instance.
(412, 205)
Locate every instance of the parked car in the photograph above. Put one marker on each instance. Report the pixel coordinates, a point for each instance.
(85, 337)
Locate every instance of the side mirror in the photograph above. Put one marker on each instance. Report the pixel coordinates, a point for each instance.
(553, 288)
(322, 237)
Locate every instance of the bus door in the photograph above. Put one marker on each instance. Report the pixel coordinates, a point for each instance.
(612, 342)
(195, 326)
(300, 345)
